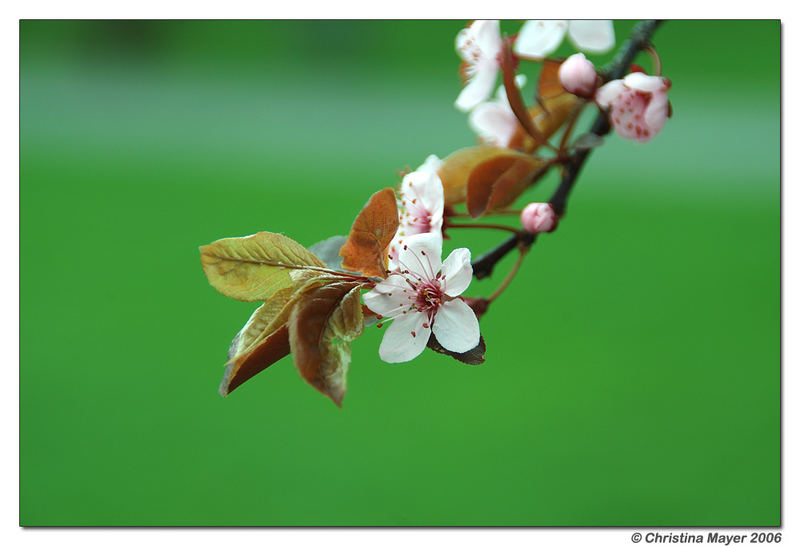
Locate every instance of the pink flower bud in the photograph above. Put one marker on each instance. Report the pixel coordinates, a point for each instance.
(577, 75)
(638, 104)
(539, 218)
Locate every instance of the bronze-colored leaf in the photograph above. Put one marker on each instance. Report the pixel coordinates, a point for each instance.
(261, 342)
(549, 84)
(255, 267)
(548, 118)
(456, 168)
(514, 96)
(258, 326)
(473, 356)
(499, 180)
(521, 175)
(321, 326)
(367, 247)
(239, 370)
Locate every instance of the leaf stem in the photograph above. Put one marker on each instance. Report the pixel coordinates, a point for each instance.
(523, 251)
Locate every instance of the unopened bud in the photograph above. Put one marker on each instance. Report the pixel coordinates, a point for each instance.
(578, 76)
(539, 218)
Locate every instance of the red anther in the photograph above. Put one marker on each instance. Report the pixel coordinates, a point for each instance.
(379, 325)
(425, 325)
(413, 333)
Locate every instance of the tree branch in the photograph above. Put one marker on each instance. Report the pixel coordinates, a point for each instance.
(638, 40)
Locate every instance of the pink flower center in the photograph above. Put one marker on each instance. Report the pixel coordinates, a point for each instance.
(429, 296)
(416, 217)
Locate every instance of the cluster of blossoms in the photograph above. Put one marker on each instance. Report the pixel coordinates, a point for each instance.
(638, 103)
(421, 293)
(312, 298)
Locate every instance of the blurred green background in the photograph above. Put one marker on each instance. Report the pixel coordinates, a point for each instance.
(632, 373)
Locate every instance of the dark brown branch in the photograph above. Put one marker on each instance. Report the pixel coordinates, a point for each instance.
(639, 40)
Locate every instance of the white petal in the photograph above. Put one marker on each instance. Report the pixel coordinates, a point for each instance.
(592, 36)
(399, 344)
(479, 87)
(487, 36)
(425, 186)
(609, 93)
(390, 297)
(643, 82)
(540, 38)
(457, 271)
(465, 44)
(456, 326)
(655, 116)
(422, 254)
(494, 122)
(432, 164)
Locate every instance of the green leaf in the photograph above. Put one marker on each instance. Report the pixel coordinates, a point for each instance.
(328, 251)
(253, 268)
(587, 141)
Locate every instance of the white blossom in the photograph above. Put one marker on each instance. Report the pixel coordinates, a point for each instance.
(422, 297)
(479, 46)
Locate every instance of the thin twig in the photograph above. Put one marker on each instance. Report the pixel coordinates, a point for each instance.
(523, 250)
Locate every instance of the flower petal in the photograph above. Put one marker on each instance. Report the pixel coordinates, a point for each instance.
(456, 326)
(421, 254)
(432, 164)
(479, 87)
(539, 38)
(389, 297)
(399, 344)
(494, 122)
(592, 36)
(487, 37)
(457, 272)
(426, 186)
(655, 116)
(609, 93)
(465, 44)
(643, 82)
